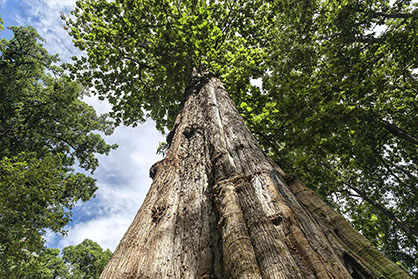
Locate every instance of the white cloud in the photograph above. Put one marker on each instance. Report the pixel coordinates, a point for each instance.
(100, 106)
(113, 211)
(107, 231)
(123, 182)
(44, 16)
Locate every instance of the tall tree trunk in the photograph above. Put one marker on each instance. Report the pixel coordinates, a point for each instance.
(219, 208)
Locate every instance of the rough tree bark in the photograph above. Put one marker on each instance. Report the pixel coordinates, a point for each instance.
(219, 208)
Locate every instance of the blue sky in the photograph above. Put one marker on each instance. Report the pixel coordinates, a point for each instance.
(122, 177)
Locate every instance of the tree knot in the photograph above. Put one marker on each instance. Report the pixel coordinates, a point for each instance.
(153, 170)
(276, 219)
(189, 131)
(157, 213)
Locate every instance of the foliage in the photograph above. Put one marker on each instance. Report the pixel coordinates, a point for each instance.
(141, 53)
(46, 265)
(86, 260)
(34, 195)
(338, 101)
(44, 129)
(83, 261)
(339, 108)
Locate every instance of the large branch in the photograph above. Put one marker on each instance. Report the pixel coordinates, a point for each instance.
(368, 40)
(376, 205)
(399, 132)
(393, 15)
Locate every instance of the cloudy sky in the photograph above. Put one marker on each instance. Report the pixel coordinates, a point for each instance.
(122, 177)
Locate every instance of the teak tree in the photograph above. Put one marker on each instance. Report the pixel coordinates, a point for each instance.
(218, 206)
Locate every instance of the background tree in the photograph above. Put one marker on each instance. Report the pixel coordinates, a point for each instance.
(44, 130)
(85, 260)
(317, 99)
(46, 265)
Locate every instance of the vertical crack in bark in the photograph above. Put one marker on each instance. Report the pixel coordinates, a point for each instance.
(215, 114)
(217, 263)
(354, 268)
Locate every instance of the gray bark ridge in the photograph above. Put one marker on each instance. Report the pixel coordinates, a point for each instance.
(219, 208)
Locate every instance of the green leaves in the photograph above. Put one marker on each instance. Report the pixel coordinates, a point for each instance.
(335, 84)
(83, 261)
(44, 129)
(141, 53)
(42, 112)
(86, 260)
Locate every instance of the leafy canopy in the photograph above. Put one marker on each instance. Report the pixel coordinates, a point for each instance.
(86, 260)
(44, 129)
(140, 54)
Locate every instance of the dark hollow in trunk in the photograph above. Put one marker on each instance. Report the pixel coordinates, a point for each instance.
(220, 208)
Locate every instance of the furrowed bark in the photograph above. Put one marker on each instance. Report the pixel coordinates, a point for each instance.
(219, 208)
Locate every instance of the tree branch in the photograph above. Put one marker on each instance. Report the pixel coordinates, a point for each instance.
(368, 40)
(399, 132)
(7, 133)
(400, 181)
(393, 15)
(376, 205)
